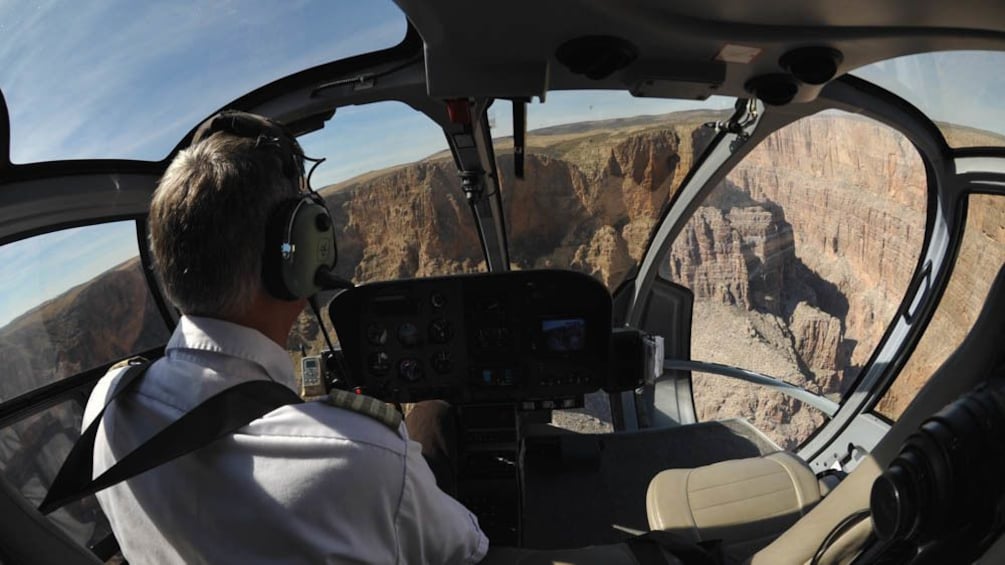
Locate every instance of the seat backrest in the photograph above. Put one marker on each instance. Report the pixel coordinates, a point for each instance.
(28, 537)
(972, 362)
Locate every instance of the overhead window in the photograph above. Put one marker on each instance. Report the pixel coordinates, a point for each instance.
(122, 79)
(959, 90)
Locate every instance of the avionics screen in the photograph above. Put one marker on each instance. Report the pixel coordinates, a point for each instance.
(564, 334)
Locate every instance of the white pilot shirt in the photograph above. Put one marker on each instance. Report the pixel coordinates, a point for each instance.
(306, 483)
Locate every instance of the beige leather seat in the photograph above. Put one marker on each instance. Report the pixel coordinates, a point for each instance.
(745, 503)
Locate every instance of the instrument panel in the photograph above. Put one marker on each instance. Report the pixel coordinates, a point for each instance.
(515, 336)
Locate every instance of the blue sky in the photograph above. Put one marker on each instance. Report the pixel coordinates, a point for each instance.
(961, 87)
(120, 78)
(39, 268)
(116, 78)
(365, 138)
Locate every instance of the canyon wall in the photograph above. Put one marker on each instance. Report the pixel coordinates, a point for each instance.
(798, 260)
(105, 319)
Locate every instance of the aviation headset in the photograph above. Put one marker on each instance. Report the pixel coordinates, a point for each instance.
(299, 235)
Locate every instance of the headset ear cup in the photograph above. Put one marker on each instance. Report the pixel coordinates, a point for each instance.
(272, 258)
(307, 227)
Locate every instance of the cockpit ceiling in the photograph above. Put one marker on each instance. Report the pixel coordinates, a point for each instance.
(507, 48)
(688, 49)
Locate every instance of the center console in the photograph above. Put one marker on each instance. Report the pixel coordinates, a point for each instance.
(502, 348)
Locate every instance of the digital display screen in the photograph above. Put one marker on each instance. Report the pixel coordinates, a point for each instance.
(564, 334)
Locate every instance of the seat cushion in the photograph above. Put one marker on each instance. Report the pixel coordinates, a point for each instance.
(746, 503)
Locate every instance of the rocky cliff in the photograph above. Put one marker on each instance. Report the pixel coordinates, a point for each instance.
(804, 250)
(105, 319)
(981, 255)
(798, 260)
(816, 236)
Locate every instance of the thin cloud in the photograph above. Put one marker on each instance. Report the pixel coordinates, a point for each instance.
(114, 78)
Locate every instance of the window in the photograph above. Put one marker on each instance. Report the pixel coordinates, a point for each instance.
(982, 254)
(129, 79)
(31, 453)
(958, 90)
(599, 168)
(71, 301)
(798, 262)
(392, 188)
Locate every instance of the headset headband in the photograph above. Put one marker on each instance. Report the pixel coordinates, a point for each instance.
(266, 132)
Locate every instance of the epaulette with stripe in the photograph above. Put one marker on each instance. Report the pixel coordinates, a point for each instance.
(137, 360)
(380, 411)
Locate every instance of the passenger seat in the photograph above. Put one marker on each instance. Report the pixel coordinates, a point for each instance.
(744, 503)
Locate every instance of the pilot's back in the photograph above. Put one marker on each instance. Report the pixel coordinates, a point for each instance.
(305, 483)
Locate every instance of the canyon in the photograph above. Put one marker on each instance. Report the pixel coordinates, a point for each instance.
(798, 260)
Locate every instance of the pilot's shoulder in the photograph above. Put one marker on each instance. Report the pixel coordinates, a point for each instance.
(356, 418)
(367, 406)
(103, 388)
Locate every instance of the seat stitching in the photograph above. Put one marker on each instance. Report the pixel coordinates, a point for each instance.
(690, 511)
(741, 501)
(795, 485)
(736, 482)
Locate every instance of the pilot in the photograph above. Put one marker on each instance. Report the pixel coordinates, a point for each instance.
(306, 483)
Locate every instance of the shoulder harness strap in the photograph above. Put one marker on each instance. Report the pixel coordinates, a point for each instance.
(215, 417)
(380, 411)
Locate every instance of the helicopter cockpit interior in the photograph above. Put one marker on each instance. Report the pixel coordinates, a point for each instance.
(725, 270)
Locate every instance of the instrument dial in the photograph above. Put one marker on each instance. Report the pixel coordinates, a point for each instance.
(440, 331)
(410, 370)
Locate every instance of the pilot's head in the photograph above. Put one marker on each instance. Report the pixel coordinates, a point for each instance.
(210, 213)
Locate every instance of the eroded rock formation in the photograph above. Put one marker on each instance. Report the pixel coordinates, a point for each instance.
(798, 260)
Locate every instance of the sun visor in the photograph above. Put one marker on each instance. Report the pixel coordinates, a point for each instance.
(691, 80)
(452, 77)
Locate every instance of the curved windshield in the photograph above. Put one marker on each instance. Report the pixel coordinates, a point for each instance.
(121, 79)
(959, 90)
(396, 201)
(600, 167)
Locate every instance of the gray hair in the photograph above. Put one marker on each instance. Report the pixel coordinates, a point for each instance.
(208, 221)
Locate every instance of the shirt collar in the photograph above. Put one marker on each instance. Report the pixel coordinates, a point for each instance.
(233, 340)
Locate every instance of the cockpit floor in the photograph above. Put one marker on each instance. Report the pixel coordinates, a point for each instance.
(582, 489)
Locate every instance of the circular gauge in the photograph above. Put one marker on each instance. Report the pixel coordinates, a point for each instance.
(442, 362)
(438, 300)
(408, 334)
(440, 331)
(376, 334)
(379, 363)
(410, 370)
